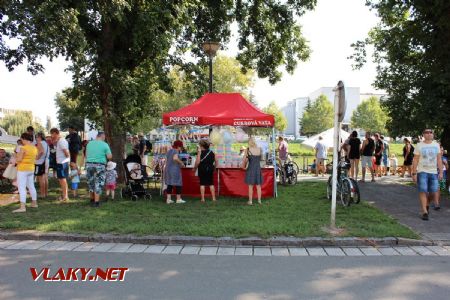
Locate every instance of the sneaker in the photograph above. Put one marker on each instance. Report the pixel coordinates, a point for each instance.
(425, 217)
(20, 210)
(436, 207)
(181, 201)
(169, 201)
(97, 204)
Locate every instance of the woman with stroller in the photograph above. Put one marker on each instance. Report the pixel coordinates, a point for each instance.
(172, 177)
(205, 163)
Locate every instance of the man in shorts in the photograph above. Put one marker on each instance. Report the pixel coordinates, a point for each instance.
(62, 162)
(321, 155)
(367, 149)
(424, 172)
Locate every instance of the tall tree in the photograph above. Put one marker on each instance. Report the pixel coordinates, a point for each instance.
(370, 116)
(122, 50)
(280, 119)
(317, 116)
(69, 110)
(48, 124)
(412, 48)
(17, 123)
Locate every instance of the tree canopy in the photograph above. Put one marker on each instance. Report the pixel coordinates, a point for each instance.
(317, 116)
(17, 123)
(411, 50)
(69, 110)
(370, 116)
(280, 119)
(121, 51)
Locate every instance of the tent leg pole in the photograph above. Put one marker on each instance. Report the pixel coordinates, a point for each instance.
(274, 161)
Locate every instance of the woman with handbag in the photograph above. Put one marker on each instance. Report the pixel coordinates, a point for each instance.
(172, 172)
(42, 164)
(26, 159)
(253, 174)
(205, 165)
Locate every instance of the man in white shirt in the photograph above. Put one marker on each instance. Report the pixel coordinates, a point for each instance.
(321, 155)
(426, 164)
(62, 162)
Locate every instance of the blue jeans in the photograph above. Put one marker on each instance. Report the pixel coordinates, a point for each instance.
(427, 183)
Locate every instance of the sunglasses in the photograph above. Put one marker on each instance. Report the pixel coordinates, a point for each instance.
(428, 131)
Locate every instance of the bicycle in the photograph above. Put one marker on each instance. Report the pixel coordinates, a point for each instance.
(286, 173)
(347, 188)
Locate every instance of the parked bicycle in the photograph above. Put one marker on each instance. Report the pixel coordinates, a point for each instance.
(347, 189)
(286, 173)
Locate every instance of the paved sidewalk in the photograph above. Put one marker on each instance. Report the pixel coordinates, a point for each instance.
(223, 250)
(391, 195)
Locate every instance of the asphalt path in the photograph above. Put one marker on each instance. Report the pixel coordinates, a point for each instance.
(156, 276)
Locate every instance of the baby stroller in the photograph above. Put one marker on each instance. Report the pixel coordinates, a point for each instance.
(135, 179)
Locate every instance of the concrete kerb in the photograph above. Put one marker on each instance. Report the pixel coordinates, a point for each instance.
(220, 241)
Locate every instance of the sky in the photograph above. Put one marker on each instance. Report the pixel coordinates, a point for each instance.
(330, 29)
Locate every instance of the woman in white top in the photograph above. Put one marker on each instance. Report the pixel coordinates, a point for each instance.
(42, 164)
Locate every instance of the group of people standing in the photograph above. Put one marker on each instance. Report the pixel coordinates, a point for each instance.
(32, 158)
(205, 165)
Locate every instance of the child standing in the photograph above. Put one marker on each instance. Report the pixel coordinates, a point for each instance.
(74, 176)
(111, 176)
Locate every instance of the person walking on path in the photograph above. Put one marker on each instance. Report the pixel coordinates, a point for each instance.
(424, 172)
(408, 155)
(74, 141)
(42, 164)
(321, 155)
(354, 154)
(205, 163)
(367, 149)
(385, 159)
(97, 155)
(62, 162)
(379, 148)
(253, 174)
(172, 173)
(25, 160)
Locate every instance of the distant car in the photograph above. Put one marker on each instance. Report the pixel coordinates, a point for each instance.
(302, 138)
(289, 137)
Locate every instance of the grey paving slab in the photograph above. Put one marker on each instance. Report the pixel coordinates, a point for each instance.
(69, 246)
(120, 247)
(172, 250)
(137, 248)
(53, 245)
(6, 243)
(19, 245)
(193, 250)
(208, 251)
(352, 251)
(244, 251)
(226, 251)
(370, 251)
(316, 251)
(405, 251)
(422, 250)
(86, 247)
(262, 251)
(280, 251)
(439, 250)
(388, 251)
(297, 251)
(103, 247)
(334, 251)
(155, 249)
(33, 245)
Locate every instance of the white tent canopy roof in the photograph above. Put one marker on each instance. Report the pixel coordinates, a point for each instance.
(328, 136)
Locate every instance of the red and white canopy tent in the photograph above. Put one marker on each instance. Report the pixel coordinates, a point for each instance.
(222, 109)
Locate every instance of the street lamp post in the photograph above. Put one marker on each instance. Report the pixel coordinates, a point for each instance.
(210, 49)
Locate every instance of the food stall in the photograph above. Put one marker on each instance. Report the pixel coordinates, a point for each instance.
(217, 110)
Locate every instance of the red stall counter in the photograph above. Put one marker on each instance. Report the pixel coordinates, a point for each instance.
(228, 182)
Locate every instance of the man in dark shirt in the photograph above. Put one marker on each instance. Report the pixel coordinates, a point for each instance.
(74, 143)
(367, 149)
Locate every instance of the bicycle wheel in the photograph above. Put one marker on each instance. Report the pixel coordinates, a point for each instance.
(329, 187)
(293, 178)
(345, 192)
(295, 166)
(356, 198)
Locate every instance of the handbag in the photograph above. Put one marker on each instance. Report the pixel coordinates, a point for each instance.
(245, 167)
(10, 172)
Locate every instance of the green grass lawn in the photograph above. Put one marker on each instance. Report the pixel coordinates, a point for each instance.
(300, 210)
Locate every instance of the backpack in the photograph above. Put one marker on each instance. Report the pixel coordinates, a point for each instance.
(411, 151)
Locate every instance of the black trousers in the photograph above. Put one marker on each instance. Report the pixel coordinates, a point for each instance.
(177, 189)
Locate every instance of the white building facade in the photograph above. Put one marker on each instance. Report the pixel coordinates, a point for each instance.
(293, 111)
